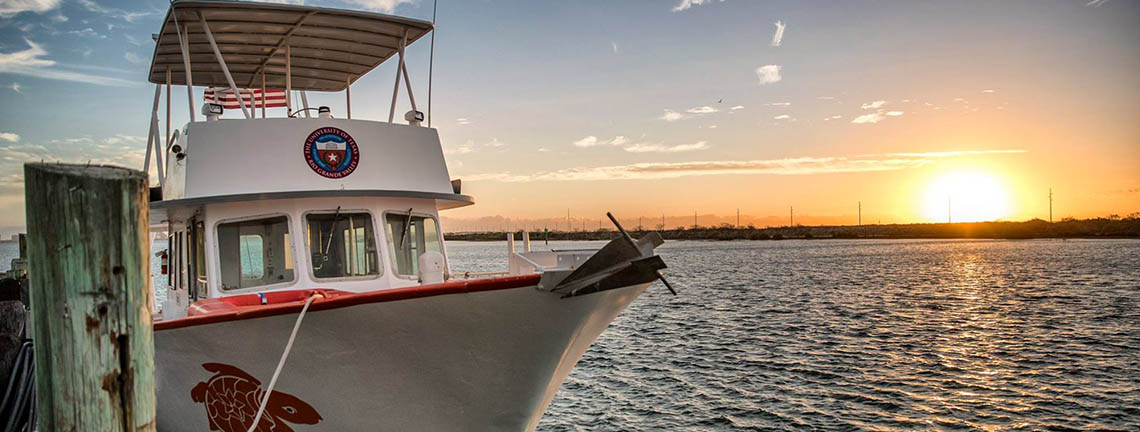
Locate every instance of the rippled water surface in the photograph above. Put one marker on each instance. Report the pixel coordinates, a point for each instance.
(865, 335)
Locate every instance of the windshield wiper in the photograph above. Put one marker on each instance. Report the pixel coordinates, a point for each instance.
(328, 244)
(407, 227)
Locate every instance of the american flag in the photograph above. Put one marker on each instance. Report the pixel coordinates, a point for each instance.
(274, 98)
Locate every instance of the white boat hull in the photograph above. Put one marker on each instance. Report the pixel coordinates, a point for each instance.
(487, 360)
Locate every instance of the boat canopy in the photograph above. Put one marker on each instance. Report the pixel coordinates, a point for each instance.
(276, 45)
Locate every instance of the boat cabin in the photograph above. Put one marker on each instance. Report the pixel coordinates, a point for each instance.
(290, 196)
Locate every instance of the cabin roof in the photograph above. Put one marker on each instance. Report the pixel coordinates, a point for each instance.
(329, 48)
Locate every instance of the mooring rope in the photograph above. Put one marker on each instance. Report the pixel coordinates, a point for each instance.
(281, 363)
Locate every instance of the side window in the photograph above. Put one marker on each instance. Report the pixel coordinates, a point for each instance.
(409, 236)
(254, 253)
(342, 245)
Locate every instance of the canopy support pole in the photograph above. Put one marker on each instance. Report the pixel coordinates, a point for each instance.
(399, 70)
(262, 94)
(158, 151)
(305, 103)
(222, 63)
(407, 80)
(168, 87)
(348, 97)
(288, 81)
(150, 130)
(183, 44)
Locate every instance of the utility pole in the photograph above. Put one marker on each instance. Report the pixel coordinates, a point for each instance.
(695, 218)
(948, 218)
(738, 217)
(662, 221)
(1050, 205)
(568, 228)
(791, 216)
(860, 213)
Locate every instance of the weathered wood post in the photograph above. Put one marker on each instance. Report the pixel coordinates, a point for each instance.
(90, 297)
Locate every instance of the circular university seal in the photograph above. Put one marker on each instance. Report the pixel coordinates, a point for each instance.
(331, 152)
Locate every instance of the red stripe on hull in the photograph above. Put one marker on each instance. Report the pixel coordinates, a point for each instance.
(345, 300)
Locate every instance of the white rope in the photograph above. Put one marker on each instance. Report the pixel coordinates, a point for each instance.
(281, 363)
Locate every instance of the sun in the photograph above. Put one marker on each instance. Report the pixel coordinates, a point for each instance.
(966, 197)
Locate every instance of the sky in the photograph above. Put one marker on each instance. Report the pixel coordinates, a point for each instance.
(898, 111)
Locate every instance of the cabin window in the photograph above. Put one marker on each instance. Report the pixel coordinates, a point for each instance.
(254, 253)
(342, 245)
(409, 236)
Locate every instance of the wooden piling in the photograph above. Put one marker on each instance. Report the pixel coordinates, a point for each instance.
(90, 297)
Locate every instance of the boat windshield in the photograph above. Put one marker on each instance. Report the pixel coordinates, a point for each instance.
(255, 253)
(342, 245)
(409, 236)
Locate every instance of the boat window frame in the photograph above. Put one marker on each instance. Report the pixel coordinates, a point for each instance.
(391, 251)
(375, 237)
(217, 264)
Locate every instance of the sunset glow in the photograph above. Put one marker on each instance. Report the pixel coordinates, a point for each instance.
(966, 197)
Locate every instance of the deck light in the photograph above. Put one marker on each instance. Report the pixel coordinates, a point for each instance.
(414, 117)
(324, 112)
(212, 111)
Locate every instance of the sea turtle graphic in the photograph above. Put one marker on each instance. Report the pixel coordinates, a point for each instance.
(232, 397)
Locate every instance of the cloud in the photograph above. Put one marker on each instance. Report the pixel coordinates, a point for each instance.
(894, 113)
(10, 137)
(615, 47)
(686, 4)
(130, 17)
(16, 87)
(779, 35)
(874, 105)
(778, 104)
(988, 91)
(1096, 3)
(738, 107)
(134, 58)
(495, 143)
(671, 116)
(661, 148)
(592, 141)
(786, 166)
(379, 5)
(702, 110)
(834, 117)
(87, 32)
(467, 147)
(874, 117)
(782, 117)
(10, 8)
(121, 149)
(768, 74)
(30, 62)
(461, 120)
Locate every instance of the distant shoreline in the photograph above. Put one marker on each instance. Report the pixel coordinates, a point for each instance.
(1100, 228)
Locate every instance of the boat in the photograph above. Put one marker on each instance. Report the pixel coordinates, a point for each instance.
(308, 285)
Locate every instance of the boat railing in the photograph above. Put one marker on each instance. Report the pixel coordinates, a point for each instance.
(529, 261)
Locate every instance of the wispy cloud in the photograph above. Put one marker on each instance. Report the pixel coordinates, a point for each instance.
(787, 166)
(9, 8)
(495, 143)
(461, 120)
(702, 110)
(16, 87)
(127, 16)
(10, 137)
(686, 4)
(782, 117)
(779, 35)
(768, 74)
(778, 104)
(1096, 3)
(661, 148)
(671, 116)
(593, 141)
(615, 47)
(874, 105)
(379, 5)
(894, 113)
(874, 117)
(738, 107)
(136, 59)
(31, 62)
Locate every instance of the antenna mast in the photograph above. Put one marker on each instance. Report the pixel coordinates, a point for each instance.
(431, 57)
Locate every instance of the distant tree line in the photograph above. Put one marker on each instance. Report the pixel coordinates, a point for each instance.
(1113, 226)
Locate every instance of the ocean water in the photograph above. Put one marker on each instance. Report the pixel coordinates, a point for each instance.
(865, 335)
(852, 335)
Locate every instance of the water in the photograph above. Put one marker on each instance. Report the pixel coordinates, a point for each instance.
(865, 335)
(861, 335)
